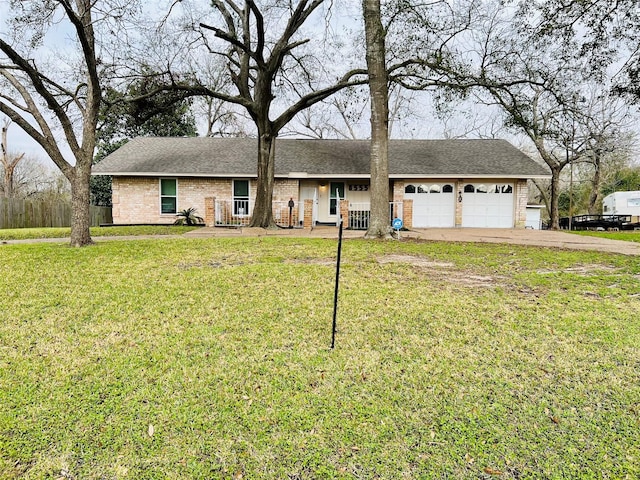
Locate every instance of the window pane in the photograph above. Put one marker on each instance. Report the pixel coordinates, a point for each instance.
(481, 189)
(469, 188)
(241, 188)
(168, 204)
(168, 186)
(337, 188)
(434, 189)
(410, 189)
(447, 189)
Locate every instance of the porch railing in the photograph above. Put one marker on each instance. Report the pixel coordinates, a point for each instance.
(359, 214)
(237, 213)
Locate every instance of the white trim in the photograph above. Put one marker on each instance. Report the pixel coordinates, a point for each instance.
(248, 198)
(337, 198)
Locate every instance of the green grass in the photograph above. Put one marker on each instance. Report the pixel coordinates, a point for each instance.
(209, 358)
(626, 235)
(35, 233)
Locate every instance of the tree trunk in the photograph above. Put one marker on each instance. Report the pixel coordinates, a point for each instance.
(80, 210)
(554, 216)
(8, 181)
(262, 209)
(594, 208)
(379, 224)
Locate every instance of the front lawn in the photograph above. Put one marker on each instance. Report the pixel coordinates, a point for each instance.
(626, 235)
(209, 358)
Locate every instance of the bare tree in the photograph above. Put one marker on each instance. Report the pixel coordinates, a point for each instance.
(43, 99)
(222, 119)
(261, 48)
(604, 122)
(9, 163)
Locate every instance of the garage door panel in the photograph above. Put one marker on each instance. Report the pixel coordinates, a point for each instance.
(493, 209)
(433, 205)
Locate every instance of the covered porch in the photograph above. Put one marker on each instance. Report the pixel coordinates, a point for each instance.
(300, 214)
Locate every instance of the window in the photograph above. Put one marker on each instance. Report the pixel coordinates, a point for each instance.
(241, 197)
(507, 189)
(493, 189)
(468, 188)
(447, 189)
(481, 189)
(423, 189)
(336, 190)
(410, 189)
(168, 195)
(434, 189)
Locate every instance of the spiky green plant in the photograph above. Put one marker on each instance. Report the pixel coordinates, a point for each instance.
(188, 217)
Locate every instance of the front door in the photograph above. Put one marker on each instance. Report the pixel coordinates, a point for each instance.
(328, 207)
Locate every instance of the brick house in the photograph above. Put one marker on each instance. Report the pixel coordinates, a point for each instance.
(434, 183)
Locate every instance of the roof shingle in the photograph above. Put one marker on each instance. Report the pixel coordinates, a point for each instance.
(237, 157)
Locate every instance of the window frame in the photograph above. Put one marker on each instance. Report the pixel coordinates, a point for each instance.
(236, 198)
(161, 195)
(333, 197)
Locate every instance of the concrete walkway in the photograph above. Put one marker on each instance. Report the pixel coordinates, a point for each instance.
(540, 238)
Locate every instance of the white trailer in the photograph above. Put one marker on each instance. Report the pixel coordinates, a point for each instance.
(622, 203)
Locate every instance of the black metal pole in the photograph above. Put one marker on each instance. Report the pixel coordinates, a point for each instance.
(335, 295)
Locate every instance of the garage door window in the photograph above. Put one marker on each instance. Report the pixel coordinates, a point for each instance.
(447, 188)
(469, 188)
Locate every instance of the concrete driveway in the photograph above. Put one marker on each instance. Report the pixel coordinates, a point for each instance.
(539, 238)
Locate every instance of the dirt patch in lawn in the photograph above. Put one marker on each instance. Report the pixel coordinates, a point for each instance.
(583, 270)
(414, 260)
(446, 272)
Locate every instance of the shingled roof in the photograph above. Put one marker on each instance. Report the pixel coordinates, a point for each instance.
(300, 158)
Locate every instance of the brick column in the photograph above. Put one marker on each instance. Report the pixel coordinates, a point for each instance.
(398, 191)
(521, 197)
(210, 211)
(459, 190)
(407, 214)
(307, 221)
(344, 211)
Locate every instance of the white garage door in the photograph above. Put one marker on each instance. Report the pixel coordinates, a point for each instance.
(433, 204)
(487, 206)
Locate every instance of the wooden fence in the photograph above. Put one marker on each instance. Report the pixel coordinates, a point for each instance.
(16, 213)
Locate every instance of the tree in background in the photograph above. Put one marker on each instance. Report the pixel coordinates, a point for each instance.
(9, 163)
(132, 113)
(605, 33)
